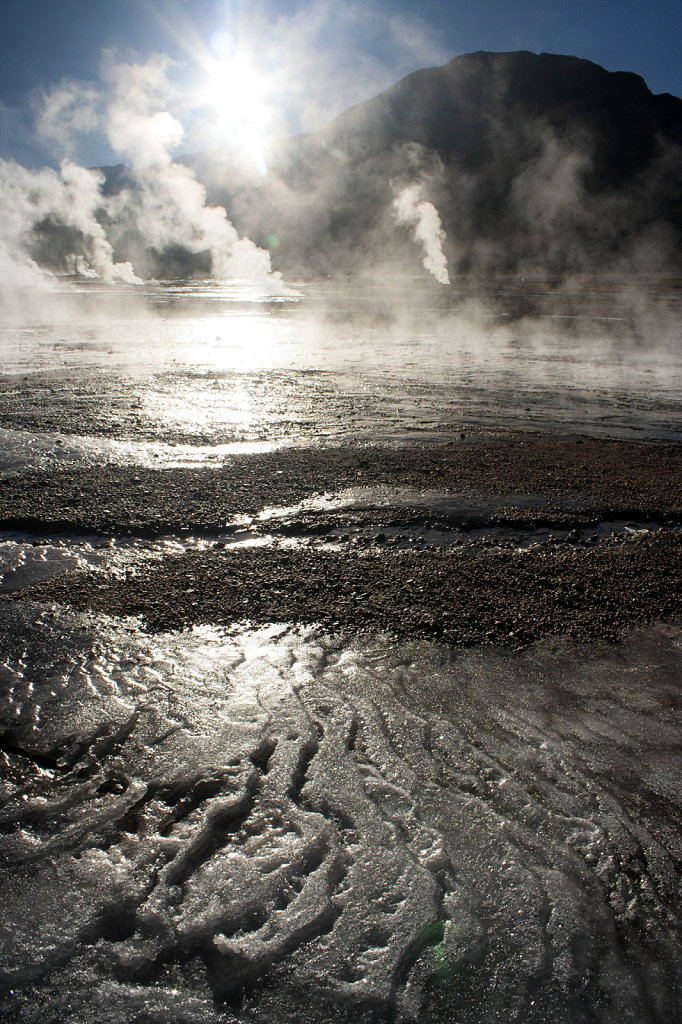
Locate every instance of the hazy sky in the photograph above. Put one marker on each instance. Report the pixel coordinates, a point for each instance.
(307, 59)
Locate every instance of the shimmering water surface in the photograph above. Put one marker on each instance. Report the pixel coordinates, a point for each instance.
(205, 826)
(188, 373)
(289, 825)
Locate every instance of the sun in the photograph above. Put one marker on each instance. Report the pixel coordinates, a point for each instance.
(238, 95)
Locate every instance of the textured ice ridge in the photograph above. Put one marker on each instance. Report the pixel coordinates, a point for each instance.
(217, 827)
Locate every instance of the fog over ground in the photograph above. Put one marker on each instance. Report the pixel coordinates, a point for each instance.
(340, 539)
(494, 164)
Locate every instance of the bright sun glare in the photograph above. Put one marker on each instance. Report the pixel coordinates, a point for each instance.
(237, 93)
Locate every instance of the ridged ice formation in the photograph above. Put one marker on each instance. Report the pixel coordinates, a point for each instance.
(275, 826)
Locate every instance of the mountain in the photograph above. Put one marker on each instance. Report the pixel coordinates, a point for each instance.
(533, 162)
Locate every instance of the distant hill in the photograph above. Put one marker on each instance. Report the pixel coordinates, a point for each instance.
(533, 162)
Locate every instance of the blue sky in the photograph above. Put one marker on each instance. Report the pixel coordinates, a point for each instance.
(317, 56)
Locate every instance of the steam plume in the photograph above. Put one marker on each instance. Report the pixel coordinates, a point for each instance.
(68, 200)
(422, 216)
(166, 206)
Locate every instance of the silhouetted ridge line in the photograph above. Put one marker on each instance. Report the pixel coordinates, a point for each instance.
(534, 162)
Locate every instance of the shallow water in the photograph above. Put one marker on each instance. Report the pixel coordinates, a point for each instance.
(216, 822)
(189, 373)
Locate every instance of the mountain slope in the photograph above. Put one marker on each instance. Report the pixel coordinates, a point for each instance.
(497, 162)
(531, 160)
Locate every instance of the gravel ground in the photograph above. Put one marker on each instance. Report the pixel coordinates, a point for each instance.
(456, 595)
(506, 597)
(614, 479)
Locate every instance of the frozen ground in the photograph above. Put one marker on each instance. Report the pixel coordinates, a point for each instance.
(297, 825)
(285, 825)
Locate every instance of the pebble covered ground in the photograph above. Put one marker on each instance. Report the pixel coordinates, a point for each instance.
(460, 598)
(340, 658)
(484, 594)
(628, 478)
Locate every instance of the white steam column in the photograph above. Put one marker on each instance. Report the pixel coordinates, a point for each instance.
(424, 219)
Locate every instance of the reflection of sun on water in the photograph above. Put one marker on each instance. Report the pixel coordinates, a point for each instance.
(238, 342)
(202, 405)
(206, 392)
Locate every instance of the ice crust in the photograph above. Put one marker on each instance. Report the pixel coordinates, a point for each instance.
(274, 824)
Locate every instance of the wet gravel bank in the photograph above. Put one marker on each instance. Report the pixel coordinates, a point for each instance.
(508, 597)
(458, 595)
(611, 478)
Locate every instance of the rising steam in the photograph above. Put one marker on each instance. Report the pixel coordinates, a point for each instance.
(420, 215)
(166, 206)
(68, 199)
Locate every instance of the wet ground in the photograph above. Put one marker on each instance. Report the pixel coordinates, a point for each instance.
(277, 824)
(340, 658)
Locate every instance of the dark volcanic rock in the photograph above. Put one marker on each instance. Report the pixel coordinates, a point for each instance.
(459, 108)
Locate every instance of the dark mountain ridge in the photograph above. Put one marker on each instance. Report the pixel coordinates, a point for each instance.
(449, 109)
(534, 162)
